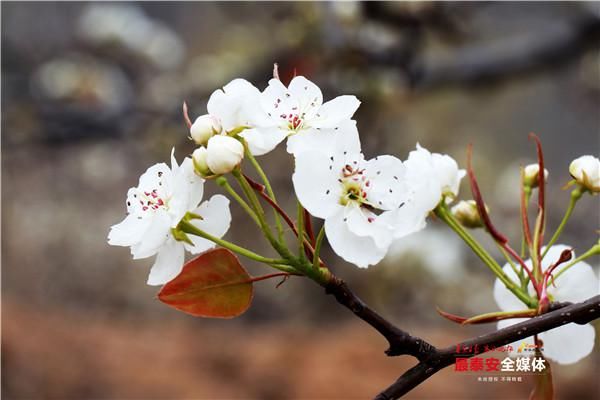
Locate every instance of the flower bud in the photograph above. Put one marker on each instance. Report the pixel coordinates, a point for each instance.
(224, 153)
(203, 128)
(199, 160)
(531, 175)
(467, 214)
(586, 171)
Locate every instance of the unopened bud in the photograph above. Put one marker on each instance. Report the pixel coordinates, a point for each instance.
(531, 175)
(224, 153)
(586, 171)
(465, 211)
(199, 160)
(203, 128)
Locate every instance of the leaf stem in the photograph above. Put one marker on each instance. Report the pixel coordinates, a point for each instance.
(575, 196)
(445, 215)
(188, 227)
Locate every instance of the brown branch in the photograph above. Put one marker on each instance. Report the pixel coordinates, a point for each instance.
(400, 342)
(561, 314)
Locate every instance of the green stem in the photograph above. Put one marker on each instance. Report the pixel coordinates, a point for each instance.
(318, 243)
(267, 184)
(595, 250)
(527, 193)
(188, 227)
(445, 215)
(300, 227)
(222, 181)
(260, 213)
(575, 196)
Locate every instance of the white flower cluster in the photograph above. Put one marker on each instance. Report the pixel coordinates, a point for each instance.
(162, 198)
(366, 204)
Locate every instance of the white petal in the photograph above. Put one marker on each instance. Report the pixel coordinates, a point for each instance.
(129, 231)
(307, 94)
(187, 190)
(168, 264)
(505, 299)
(228, 105)
(359, 250)
(342, 140)
(332, 113)
(316, 184)
(448, 174)
(216, 221)
(569, 343)
(158, 173)
(263, 140)
(409, 218)
(577, 284)
(388, 188)
(155, 236)
(378, 229)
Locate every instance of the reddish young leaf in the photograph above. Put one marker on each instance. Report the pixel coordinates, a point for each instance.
(213, 285)
(452, 317)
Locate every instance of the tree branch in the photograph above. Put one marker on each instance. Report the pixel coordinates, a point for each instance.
(580, 313)
(431, 359)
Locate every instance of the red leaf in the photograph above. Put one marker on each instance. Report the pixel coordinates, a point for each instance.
(213, 285)
(452, 317)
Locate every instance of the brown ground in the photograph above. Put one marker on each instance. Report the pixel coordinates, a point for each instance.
(53, 355)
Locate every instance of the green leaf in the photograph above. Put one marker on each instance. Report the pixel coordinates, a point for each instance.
(213, 285)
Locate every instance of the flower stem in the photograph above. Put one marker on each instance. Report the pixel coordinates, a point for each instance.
(318, 243)
(595, 250)
(445, 215)
(222, 181)
(188, 227)
(575, 196)
(267, 184)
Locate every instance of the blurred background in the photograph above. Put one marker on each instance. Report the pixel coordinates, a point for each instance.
(91, 96)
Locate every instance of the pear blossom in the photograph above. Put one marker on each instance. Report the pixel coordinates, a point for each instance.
(204, 127)
(435, 174)
(566, 344)
(159, 202)
(223, 154)
(199, 160)
(467, 214)
(586, 171)
(531, 175)
(360, 200)
(293, 111)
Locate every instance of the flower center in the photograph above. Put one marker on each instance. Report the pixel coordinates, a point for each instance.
(146, 201)
(294, 122)
(354, 186)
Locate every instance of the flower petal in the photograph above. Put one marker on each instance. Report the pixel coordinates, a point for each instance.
(359, 250)
(263, 140)
(168, 263)
(569, 343)
(505, 299)
(129, 231)
(577, 284)
(155, 236)
(216, 221)
(388, 188)
(363, 223)
(335, 111)
(340, 141)
(316, 184)
(307, 94)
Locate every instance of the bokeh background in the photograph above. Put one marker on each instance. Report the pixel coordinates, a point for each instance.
(91, 96)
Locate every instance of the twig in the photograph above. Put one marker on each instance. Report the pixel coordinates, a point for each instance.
(561, 314)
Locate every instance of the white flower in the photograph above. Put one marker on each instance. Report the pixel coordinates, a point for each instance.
(204, 127)
(566, 344)
(200, 164)
(360, 201)
(586, 171)
(294, 111)
(223, 154)
(156, 205)
(233, 105)
(531, 175)
(435, 175)
(467, 214)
